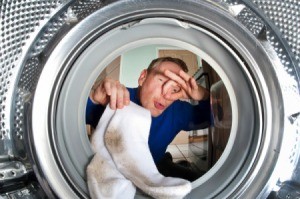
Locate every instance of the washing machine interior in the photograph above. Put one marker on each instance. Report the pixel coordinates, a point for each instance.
(52, 53)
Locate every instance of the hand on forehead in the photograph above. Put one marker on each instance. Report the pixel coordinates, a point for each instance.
(180, 79)
(188, 86)
(170, 81)
(173, 88)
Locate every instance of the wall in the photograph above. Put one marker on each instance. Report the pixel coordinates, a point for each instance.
(134, 61)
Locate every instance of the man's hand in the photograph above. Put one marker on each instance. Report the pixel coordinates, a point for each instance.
(189, 89)
(111, 91)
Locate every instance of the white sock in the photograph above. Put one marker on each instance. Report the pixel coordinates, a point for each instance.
(103, 178)
(126, 139)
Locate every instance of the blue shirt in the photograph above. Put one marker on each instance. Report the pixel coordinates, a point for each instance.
(180, 115)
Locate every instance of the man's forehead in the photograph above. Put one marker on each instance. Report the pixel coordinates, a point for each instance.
(161, 68)
(157, 71)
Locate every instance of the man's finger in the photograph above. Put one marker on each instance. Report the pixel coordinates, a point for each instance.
(113, 97)
(120, 96)
(185, 76)
(107, 87)
(193, 83)
(176, 78)
(126, 96)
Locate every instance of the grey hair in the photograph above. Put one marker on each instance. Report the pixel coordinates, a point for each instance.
(158, 61)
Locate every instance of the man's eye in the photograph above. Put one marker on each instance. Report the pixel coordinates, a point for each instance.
(176, 90)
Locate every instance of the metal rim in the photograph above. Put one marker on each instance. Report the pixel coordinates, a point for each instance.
(61, 78)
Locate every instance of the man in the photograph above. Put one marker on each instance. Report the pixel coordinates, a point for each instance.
(161, 86)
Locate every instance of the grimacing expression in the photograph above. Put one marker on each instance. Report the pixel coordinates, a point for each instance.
(153, 87)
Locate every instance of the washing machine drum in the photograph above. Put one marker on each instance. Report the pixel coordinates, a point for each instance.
(52, 52)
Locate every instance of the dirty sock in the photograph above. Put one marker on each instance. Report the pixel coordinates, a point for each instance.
(103, 178)
(126, 139)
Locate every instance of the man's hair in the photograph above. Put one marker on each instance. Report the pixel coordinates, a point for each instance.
(158, 61)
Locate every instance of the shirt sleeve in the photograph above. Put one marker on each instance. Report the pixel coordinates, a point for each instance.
(93, 113)
(193, 117)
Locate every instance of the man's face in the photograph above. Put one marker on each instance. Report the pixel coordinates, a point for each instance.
(154, 86)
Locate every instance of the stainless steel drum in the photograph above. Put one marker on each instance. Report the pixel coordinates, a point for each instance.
(51, 52)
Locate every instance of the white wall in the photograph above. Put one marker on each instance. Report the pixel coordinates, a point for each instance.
(134, 61)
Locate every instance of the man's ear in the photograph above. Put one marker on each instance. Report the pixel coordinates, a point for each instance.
(142, 77)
